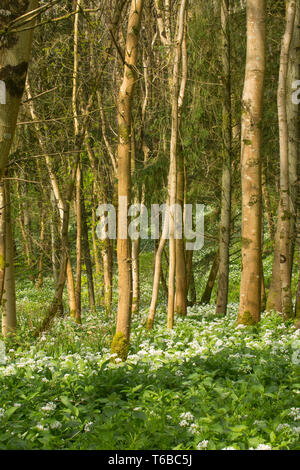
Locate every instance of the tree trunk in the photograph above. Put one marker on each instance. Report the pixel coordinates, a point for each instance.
(156, 276)
(87, 253)
(40, 262)
(205, 299)
(54, 241)
(285, 218)
(120, 343)
(250, 288)
(135, 250)
(2, 238)
(181, 277)
(95, 244)
(78, 245)
(60, 203)
(172, 182)
(293, 129)
(14, 57)
(274, 296)
(9, 317)
(225, 220)
(267, 205)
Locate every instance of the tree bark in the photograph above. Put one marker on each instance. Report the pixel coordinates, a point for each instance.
(206, 296)
(2, 238)
(15, 51)
(120, 343)
(225, 220)
(9, 316)
(78, 245)
(284, 220)
(250, 288)
(174, 93)
(181, 278)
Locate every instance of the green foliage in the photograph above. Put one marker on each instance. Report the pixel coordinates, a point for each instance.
(207, 384)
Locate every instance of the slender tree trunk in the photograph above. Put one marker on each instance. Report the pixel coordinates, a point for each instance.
(107, 263)
(172, 182)
(285, 219)
(296, 40)
(54, 241)
(274, 296)
(2, 238)
(61, 204)
(78, 245)
(78, 169)
(156, 276)
(120, 343)
(135, 250)
(225, 220)
(267, 204)
(9, 317)
(87, 253)
(206, 296)
(293, 123)
(189, 267)
(40, 262)
(250, 289)
(263, 289)
(101, 191)
(181, 279)
(193, 293)
(95, 245)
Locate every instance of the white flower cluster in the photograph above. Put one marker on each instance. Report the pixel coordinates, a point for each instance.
(202, 445)
(295, 414)
(50, 406)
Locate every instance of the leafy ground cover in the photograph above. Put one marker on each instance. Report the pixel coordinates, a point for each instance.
(207, 384)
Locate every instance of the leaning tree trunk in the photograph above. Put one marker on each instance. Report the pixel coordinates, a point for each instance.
(285, 214)
(156, 276)
(250, 288)
(56, 197)
(206, 296)
(120, 343)
(225, 220)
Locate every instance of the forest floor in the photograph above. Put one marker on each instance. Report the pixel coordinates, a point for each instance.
(207, 384)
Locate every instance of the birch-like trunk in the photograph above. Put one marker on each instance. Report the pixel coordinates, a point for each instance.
(252, 102)
(120, 343)
(172, 181)
(285, 214)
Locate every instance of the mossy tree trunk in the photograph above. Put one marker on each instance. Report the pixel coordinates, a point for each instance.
(285, 214)
(120, 343)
